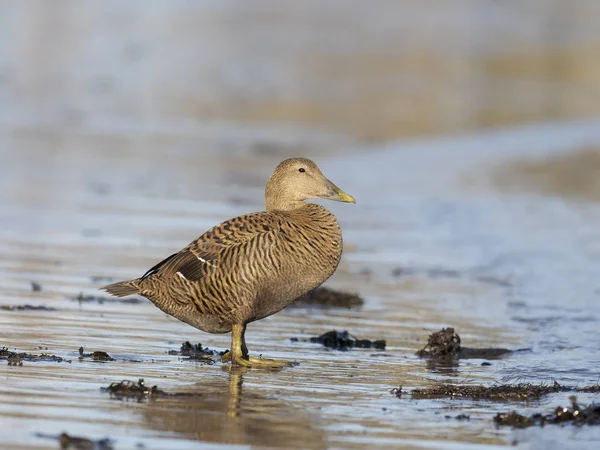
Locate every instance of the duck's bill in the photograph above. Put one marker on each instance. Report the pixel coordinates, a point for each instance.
(338, 195)
(341, 196)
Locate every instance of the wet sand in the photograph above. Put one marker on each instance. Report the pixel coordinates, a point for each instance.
(420, 261)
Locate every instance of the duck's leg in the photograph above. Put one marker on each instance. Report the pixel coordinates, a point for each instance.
(238, 355)
(238, 346)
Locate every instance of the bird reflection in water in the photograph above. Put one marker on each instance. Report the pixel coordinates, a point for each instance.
(236, 380)
(231, 414)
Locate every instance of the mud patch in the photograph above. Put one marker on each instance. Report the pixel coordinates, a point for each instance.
(79, 443)
(343, 341)
(576, 414)
(95, 356)
(101, 299)
(196, 352)
(328, 298)
(445, 346)
(16, 359)
(26, 308)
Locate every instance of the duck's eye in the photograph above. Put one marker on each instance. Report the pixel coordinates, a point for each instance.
(302, 170)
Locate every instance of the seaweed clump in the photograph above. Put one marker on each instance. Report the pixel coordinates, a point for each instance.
(577, 414)
(26, 308)
(329, 298)
(502, 392)
(96, 356)
(101, 299)
(445, 345)
(79, 443)
(593, 389)
(196, 352)
(129, 390)
(441, 344)
(344, 341)
(499, 392)
(16, 359)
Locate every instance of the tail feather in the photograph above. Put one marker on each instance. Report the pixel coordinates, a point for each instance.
(122, 288)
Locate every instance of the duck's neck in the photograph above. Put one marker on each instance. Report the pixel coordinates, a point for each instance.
(281, 202)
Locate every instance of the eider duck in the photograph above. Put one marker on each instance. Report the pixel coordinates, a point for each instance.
(251, 266)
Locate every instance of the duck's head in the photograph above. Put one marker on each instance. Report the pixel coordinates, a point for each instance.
(297, 179)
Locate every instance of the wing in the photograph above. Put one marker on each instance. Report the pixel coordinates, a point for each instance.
(203, 256)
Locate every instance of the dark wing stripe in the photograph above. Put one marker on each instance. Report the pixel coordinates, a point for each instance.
(158, 266)
(216, 268)
(193, 270)
(186, 262)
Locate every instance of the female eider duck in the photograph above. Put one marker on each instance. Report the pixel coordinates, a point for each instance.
(251, 266)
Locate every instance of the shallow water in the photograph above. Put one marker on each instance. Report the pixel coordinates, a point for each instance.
(108, 164)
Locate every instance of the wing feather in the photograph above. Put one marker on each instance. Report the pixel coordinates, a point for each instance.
(202, 256)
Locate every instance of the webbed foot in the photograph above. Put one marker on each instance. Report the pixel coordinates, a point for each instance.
(260, 362)
(250, 361)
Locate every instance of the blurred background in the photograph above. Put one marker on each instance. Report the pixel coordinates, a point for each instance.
(197, 80)
(468, 131)
(339, 72)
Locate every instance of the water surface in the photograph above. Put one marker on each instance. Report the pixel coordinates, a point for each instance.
(503, 269)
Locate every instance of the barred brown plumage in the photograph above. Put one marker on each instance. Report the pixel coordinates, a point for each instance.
(251, 266)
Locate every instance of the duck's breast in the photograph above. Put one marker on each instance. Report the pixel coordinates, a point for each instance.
(304, 254)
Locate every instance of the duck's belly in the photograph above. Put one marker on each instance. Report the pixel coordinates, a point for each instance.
(185, 311)
(290, 284)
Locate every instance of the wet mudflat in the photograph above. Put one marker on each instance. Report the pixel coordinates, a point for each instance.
(419, 263)
(493, 234)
